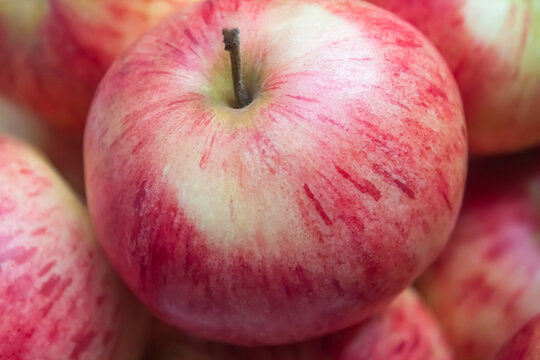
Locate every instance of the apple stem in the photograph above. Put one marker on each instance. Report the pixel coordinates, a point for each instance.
(231, 39)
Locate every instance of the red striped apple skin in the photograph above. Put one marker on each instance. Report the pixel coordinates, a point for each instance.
(406, 330)
(486, 283)
(299, 215)
(59, 299)
(493, 49)
(525, 345)
(53, 53)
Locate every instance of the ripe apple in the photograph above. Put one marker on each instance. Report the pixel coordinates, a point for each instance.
(493, 49)
(300, 214)
(525, 345)
(53, 53)
(59, 299)
(404, 331)
(486, 283)
(65, 155)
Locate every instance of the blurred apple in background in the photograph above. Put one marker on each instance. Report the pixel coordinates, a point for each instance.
(59, 299)
(299, 214)
(486, 283)
(53, 53)
(404, 331)
(21, 124)
(65, 155)
(525, 345)
(493, 49)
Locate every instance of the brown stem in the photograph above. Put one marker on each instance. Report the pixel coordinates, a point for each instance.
(231, 39)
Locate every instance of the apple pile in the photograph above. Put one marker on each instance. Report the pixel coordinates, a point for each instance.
(269, 179)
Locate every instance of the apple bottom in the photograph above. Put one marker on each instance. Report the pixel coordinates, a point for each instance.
(243, 296)
(403, 331)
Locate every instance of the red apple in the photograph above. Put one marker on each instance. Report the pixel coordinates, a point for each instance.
(404, 331)
(59, 299)
(525, 345)
(53, 53)
(300, 214)
(65, 155)
(486, 283)
(493, 49)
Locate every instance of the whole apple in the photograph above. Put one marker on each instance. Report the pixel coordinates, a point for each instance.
(53, 53)
(299, 214)
(486, 283)
(525, 345)
(493, 49)
(59, 299)
(404, 331)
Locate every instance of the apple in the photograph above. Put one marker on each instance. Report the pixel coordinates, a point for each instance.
(53, 53)
(65, 155)
(486, 283)
(404, 331)
(59, 299)
(493, 49)
(525, 345)
(299, 214)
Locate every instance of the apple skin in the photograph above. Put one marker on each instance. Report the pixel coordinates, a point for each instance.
(525, 345)
(53, 53)
(406, 330)
(493, 49)
(486, 283)
(65, 155)
(299, 215)
(59, 299)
